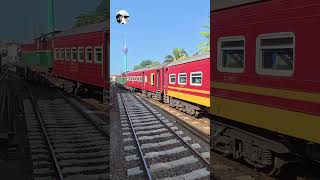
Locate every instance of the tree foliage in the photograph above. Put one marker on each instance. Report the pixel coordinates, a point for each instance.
(146, 64)
(177, 54)
(205, 45)
(100, 14)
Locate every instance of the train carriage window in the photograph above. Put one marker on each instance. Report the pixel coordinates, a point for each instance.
(231, 51)
(182, 78)
(74, 54)
(172, 79)
(68, 54)
(56, 54)
(196, 78)
(98, 55)
(275, 54)
(62, 54)
(89, 55)
(80, 54)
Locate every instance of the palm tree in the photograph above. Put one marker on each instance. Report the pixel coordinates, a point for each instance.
(204, 46)
(177, 54)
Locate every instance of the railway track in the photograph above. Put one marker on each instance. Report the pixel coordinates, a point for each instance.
(155, 148)
(3, 75)
(64, 142)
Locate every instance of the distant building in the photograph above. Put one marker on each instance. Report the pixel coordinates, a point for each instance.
(13, 52)
(113, 78)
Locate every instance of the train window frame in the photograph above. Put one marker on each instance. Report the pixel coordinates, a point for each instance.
(56, 53)
(179, 78)
(81, 49)
(86, 54)
(175, 78)
(66, 52)
(196, 84)
(95, 56)
(145, 79)
(274, 72)
(74, 50)
(62, 54)
(219, 58)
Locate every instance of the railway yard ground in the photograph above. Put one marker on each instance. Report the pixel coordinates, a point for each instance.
(223, 168)
(165, 154)
(53, 135)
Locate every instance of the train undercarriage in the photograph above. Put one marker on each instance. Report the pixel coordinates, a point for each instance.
(186, 107)
(265, 151)
(44, 78)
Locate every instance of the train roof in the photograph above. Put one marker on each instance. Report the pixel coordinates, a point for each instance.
(223, 4)
(189, 59)
(150, 68)
(84, 29)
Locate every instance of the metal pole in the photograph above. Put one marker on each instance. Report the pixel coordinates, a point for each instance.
(51, 25)
(125, 51)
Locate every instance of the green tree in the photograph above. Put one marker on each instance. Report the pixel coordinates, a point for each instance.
(101, 14)
(177, 54)
(146, 64)
(205, 45)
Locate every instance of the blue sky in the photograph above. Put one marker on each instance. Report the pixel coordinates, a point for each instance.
(155, 28)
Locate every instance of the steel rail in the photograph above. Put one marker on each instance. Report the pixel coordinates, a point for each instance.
(35, 105)
(196, 132)
(137, 141)
(204, 161)
(4, 75)
(101, 129)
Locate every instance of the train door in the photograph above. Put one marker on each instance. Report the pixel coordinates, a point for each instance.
(105, 60)
(143, 80)
(158, 80)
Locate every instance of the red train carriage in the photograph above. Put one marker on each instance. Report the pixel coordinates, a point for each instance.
(183, 84)
(80, 56)
(187, 84)
(134, 80)
(265, 84)
(152, 85)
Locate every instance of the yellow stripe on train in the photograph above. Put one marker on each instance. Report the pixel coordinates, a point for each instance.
(190, 90)
(205, 101)
(297, 124)
(280, 93)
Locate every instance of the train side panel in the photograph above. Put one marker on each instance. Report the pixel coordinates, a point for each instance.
(153, 81)
(194, 93)
(286, 104)
(134, 80)
(86, 71)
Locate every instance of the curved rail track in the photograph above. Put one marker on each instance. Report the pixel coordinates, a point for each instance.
(156, 148)
(65, 143)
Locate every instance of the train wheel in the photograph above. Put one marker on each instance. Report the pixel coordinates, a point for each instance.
(276, 167)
